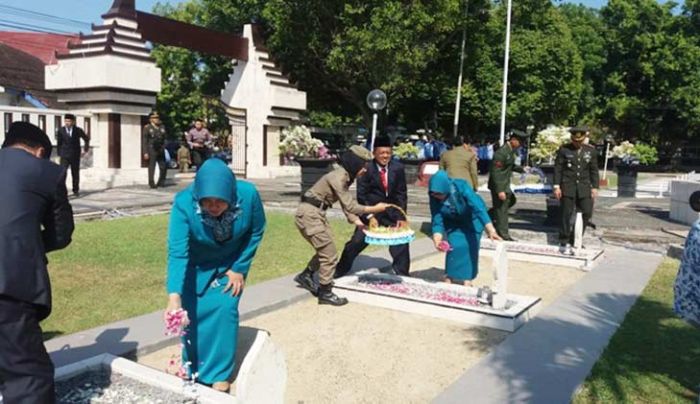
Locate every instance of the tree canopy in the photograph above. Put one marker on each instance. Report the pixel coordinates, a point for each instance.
(630, 68)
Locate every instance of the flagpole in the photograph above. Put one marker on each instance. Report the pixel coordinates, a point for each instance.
(461, 70)
(505, 74)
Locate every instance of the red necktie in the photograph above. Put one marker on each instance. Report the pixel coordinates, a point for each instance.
(385, 180)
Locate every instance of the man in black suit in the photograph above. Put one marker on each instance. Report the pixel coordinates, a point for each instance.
(385, 181)
(68, 145)
(35, 218)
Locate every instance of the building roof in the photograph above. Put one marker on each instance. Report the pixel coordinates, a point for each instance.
(23, 72)
(41, 45)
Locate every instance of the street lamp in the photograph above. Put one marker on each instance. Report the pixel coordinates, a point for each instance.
(376, 101)
(505, 73)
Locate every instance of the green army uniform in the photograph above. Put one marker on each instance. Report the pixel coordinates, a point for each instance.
(576, 174)
(153, 144)
(500, 174)
(460, 162)
(310, 219)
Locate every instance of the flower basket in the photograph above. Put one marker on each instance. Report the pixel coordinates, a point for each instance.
(382, 235)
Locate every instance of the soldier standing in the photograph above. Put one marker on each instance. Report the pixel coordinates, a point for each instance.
(311, 221)
(500, 174)
(575, 184)
(153, 138)
(461, 162)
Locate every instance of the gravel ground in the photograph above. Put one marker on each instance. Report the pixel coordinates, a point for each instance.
(103, 387)
(364, 354)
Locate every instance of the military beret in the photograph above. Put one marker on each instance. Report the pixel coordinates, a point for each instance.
(361, 152)
(382, 141)
(695, 201)
(25, 132)
(69, 116)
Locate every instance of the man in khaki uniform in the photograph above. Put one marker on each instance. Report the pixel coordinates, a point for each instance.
(311, 221)
(460, 162)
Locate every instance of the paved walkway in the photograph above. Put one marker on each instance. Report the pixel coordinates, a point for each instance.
(547, 359)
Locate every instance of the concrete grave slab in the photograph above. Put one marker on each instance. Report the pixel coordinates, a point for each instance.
(261, 378)
(358, 288)
(584, 259)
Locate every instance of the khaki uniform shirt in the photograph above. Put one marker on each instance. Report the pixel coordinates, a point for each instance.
(332, 188)
(460, 162)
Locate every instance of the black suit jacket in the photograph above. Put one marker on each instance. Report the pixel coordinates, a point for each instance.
(371, 192)
(35, 218)
(69, 146)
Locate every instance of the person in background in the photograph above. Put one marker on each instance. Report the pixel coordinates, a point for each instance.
(35, 218)
(199, 140)
(384, 181)
(68, 145)
(459, 216)
(687, 286)
(575, 185)
(216, 226)
(461, 162)
(500, 174)
(184, 159)
(153, 138)
(313, 225)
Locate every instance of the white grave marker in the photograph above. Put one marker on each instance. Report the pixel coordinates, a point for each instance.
(578, 231)
(500, 277)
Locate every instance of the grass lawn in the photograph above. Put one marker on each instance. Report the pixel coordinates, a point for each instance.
(116, 269)
(654, 357)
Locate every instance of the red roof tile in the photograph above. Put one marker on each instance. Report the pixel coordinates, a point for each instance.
(42, 46)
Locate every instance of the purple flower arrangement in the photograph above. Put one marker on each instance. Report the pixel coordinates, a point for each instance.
(426, 292)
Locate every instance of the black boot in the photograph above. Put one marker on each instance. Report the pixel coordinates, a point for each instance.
(326, 296)
(305, 279)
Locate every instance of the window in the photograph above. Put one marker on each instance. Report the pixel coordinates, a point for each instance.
(42, 122)
(25, 117)
(56, 122)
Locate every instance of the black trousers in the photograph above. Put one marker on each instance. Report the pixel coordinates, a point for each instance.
(569, 207)
(399, 253)
(156, 157)
(74, 164)
(26, 371)
(199, 156)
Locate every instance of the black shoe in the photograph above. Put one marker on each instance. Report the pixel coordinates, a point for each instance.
(76, 194)
(508, 238)
(326, 296)
(305, 279)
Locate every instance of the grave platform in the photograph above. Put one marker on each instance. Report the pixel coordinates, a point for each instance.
(435, 299)
(584, 259)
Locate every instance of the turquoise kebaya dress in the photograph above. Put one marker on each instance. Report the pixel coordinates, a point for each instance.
(461, 219)
(200, 250)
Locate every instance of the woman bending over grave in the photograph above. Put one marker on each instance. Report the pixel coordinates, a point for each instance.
(216, 225)
(687, 286)
(459, 216)
(311, 221)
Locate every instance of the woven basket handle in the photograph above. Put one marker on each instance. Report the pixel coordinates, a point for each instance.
(397, 207)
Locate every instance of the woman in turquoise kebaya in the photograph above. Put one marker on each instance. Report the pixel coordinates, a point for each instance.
(459, 216)
(216, 225)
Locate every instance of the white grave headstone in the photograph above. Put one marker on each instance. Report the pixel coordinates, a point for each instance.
(578, 231)
(500, 276)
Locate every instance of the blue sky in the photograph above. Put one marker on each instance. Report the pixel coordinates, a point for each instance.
(86, 11)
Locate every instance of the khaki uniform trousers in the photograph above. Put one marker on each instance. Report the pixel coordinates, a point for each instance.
(314, 227)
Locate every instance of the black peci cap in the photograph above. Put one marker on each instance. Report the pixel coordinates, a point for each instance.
(26, 133)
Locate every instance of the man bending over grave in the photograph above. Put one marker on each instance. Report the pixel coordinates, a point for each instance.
(35, 218)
